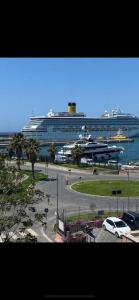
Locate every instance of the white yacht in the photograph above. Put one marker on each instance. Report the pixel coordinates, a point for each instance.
(92, 149)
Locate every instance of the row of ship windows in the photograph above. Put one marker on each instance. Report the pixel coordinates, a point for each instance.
(46, 135)
(107, 128)
(80, 122)
(89, 128)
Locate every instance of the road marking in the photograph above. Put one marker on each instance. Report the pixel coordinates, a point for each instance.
(46, 237)
(23, 234)
(3, 235)
(13, 235)
(32, 231)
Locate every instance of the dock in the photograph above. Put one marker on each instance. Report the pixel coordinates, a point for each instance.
(110, 140)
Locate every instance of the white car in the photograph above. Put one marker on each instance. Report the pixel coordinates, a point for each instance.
(85, 160)
(116, 226)
(114, 163)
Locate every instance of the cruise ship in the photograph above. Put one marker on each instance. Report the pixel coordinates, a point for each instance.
(66, 126)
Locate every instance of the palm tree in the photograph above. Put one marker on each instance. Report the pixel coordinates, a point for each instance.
(10, 150)
(31, 148)
(52, 150)
(2, 161)
(17, 145)
(76, 153)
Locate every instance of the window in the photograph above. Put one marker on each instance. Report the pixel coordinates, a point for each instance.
(120, 224)
(130, 218)
(110, 222)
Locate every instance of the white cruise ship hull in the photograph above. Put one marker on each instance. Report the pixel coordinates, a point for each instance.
(66, 126)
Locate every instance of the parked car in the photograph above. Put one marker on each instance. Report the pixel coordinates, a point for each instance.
(136, 163)
(85, 160)
(116, 226)
(60, 158)
(114, 163)
(132, 219)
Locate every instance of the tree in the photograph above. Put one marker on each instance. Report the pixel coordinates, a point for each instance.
(10, 150)
(52, 150)
(17, 145)
(2, 161)
(76, 153)
(16, 201)
(32, 146)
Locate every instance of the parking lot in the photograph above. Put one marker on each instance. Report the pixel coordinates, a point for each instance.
(104, 236)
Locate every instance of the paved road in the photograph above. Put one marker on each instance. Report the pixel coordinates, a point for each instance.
(106, 237)
(36, 231)
(71, 201)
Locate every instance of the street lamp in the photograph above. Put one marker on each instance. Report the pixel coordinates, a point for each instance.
(117, 202)
(128, 188)
(46, 165)
(116, 192)
(57, 200)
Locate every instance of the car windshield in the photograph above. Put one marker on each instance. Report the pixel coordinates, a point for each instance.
(120, 224)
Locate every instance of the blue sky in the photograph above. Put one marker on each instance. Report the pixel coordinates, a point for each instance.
(37, 84)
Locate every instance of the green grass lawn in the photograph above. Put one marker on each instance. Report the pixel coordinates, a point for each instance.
(105, 187)
(21, 188)
(25, 184)
(38, 175)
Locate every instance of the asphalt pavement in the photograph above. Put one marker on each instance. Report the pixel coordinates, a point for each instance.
(69, 201)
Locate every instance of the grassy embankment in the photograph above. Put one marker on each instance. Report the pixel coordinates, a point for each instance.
(89, 216)
(105, 187)
(27, 182)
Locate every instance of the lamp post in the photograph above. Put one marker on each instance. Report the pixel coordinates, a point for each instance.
(45, 165)
(47, 168)
(57, 200)
(116, 192)
(123, 207)
(128, 188)
(117, 201)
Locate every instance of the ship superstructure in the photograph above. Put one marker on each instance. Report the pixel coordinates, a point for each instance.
(91, 149)
(66, 126)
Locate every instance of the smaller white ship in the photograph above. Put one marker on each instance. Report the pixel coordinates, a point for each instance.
(98, 152)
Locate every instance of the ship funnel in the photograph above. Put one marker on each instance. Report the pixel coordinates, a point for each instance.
(72, 107)
(69, 107)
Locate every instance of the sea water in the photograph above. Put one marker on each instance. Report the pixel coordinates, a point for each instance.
(130, 152)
